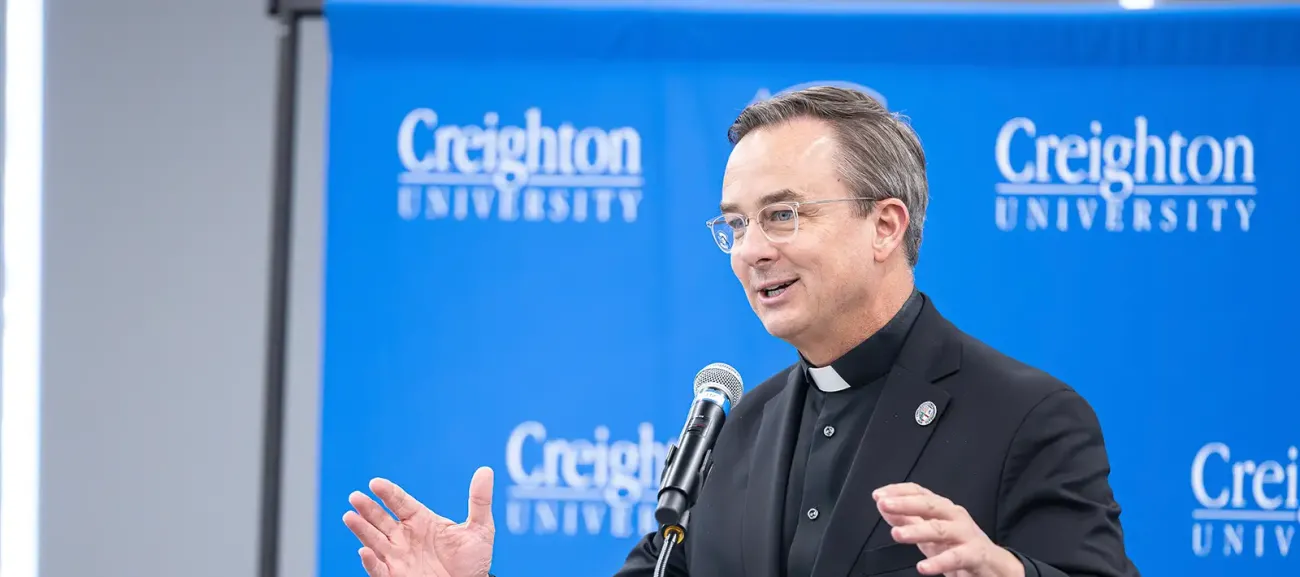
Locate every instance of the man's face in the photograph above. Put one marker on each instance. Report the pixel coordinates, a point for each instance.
(830, 261)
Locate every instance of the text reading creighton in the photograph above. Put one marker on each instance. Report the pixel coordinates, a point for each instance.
(572, 487)
(1118, 182)
(512, 173)
(1246, 506)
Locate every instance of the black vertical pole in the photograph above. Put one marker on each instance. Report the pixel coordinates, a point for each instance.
(278, 298)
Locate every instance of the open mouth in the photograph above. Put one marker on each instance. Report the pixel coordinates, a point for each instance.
(776, 290)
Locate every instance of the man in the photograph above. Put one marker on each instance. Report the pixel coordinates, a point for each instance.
(896, 445)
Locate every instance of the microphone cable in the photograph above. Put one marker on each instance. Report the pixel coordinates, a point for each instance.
(672, 536)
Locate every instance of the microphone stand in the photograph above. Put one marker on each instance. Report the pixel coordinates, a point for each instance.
(673, 535)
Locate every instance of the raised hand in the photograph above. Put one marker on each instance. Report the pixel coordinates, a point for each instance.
(419, 542)
(953, 543)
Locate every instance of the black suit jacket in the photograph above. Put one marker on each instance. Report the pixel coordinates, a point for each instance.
(1021, 451)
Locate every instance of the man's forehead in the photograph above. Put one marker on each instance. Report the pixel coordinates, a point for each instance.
(760, 176)
(784, 146)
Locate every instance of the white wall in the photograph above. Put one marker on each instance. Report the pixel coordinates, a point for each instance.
(158, 161)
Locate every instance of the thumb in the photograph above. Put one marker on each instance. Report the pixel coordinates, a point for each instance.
(480, 498)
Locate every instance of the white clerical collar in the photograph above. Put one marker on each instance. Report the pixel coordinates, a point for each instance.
(827, 380)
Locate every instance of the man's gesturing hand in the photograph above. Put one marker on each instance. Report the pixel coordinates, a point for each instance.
(953, 544)
(419, 542)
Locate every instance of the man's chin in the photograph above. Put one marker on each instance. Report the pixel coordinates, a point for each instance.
(783, 325)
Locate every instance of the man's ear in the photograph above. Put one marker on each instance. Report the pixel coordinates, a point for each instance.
(891, 224)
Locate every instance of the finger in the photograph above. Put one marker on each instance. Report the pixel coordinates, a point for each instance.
(372, 564)
(397, 500)
(899, 520)
(480, 499)
(899, 490)
(950, 561)
(930, 531)
(373, 513)
(924, 506)
(367, 533)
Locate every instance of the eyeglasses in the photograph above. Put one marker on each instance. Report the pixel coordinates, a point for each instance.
(779, 222)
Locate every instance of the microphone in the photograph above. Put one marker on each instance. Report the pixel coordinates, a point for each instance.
(717, 388)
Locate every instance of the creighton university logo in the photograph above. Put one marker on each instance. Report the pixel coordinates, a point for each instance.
(596, 486)
(1135, 180)
(496, 170)
(1247, 507)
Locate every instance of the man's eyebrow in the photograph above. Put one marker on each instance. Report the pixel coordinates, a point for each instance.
(783, 195)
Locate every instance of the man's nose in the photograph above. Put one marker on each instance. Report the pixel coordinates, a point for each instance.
(754, 249)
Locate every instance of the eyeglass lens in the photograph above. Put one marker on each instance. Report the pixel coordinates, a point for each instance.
(779, 223)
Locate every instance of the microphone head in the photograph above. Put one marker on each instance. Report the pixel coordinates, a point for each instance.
(720, 376)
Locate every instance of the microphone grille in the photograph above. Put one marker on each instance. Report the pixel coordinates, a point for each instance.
(721, 375)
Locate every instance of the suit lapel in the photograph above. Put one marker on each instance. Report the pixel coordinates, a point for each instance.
(893, 441)
(769, 471)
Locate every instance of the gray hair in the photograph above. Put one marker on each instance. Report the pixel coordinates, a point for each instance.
(880, 154)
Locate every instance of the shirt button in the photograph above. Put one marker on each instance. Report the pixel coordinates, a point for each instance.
(812, 514)
(828, 431)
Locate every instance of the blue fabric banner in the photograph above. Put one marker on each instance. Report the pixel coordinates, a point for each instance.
(519, 274)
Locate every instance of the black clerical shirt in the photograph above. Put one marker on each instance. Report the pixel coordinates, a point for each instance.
(838, 403)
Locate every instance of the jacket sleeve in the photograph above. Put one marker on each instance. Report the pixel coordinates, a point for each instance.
(1057, 511)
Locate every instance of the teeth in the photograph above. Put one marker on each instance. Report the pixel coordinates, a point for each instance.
(777, 290)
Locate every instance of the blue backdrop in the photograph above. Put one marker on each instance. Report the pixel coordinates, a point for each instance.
(519, 274)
